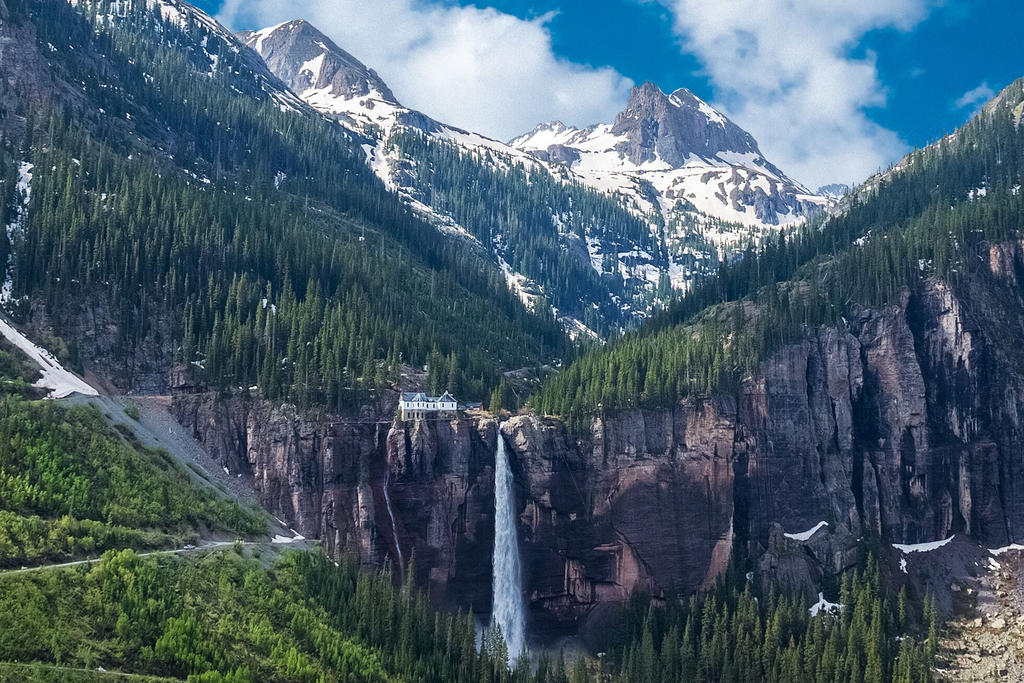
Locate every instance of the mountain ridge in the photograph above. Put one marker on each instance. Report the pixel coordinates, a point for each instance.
(719, 195)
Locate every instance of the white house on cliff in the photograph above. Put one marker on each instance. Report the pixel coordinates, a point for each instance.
(419, 406)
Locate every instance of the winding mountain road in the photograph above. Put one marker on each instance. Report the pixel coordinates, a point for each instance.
(278, 542)
(173, 551)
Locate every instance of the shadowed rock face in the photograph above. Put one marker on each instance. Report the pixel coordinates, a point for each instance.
(904, 423)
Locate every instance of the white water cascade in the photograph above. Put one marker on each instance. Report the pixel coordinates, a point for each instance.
(394, 527)
(507, 610)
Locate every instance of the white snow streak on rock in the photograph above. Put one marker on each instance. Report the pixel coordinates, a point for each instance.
(806, 535)
(59, 381)
(14, 227)
(1006, 548)
(921, 547)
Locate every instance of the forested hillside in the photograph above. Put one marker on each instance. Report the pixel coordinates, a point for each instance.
(241, 615)
(235, 615)
(182, 200)
(71, 486)
(527, 217)
(738, 633)
(933, 216)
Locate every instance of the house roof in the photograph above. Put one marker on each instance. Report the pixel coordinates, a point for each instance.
(409, 396)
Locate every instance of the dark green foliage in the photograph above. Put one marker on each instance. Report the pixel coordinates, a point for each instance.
(923, 221)
(26, 541)
(17, 372)
(162, 216)
(70, 486)
(736, 633)
(521, 215)
(224, 617)
(16, 672)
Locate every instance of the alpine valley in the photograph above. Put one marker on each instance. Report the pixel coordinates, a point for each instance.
(298, 383)
(601, 224)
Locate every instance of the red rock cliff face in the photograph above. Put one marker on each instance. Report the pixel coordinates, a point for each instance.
(904, 422)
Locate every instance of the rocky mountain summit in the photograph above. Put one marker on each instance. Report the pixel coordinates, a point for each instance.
(323, 64)
(672, 127)
(678, 156)
(330, 79)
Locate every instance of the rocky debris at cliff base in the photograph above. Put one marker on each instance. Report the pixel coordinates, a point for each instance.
(156, 428)
(167, 433)
(985, 638)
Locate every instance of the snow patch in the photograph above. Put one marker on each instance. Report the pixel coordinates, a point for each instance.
(59, 381)
(921, 547)
(825, 606)
(278, 538)
(314, 67)
(1005, 549)
(806, 535)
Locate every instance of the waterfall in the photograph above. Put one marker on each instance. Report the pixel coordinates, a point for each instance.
(394, 527)
(507, 610)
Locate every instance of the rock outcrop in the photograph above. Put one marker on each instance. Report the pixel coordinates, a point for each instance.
(672, 127)
(304, 58)
(903, 423)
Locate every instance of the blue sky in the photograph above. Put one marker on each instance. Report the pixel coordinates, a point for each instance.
(832, 89)
(956, 49)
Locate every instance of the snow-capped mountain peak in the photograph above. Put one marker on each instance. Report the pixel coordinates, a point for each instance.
(305, 59)
(676, 154)
(330, 79)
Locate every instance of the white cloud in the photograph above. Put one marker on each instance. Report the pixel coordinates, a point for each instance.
(783, 70)
(474, 68)
(975, 97)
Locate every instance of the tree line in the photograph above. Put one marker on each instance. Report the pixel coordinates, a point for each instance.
(738, 633)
